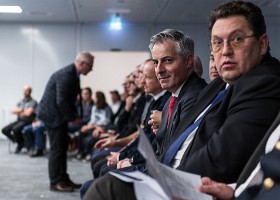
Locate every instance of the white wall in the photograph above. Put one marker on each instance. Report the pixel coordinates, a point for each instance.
(110, 69)
(30, 53)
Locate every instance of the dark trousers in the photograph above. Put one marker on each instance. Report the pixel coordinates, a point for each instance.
(15, 128)
(110, 188)
(58, 153)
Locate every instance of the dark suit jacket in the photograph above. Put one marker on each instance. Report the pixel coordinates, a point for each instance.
(128, 121)
(270, 166)
(230, 132)
(186, 99)
(131, 150)
(258, 154)
(58, 102)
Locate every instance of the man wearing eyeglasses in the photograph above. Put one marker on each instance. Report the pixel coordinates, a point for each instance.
(225, 137)
(56, 109)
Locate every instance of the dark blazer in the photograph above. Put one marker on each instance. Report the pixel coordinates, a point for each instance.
(230, 132)
(258, 154)
(58, 102)
(128, 121)
(270, 166)
(131, 150)
(186, 99)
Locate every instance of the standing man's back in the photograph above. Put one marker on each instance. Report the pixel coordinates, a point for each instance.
(56, 109)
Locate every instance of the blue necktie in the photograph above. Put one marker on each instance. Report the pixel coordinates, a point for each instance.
(175, 146)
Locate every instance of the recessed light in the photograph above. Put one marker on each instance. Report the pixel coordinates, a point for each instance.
(10, 9)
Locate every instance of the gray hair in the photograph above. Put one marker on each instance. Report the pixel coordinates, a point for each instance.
(185, 44)
(84, 56)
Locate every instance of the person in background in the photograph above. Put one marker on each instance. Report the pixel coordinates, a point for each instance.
(213, 72)
(56, 109)
(101, 115)
(25, 115)
(117, 104)
(197, 66)
(84, 108)
(35, 138)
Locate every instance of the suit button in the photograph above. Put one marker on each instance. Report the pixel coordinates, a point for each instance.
(277, 146)
(268, 183)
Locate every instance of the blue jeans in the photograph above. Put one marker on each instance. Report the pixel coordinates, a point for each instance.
(35, 136)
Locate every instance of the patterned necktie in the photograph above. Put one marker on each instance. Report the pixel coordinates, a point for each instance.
(171, 106)
(175, 146)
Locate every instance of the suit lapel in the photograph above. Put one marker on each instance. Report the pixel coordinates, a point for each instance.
(204, 99)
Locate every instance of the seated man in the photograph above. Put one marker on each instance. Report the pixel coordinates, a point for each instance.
(25, 115)
(228, 113)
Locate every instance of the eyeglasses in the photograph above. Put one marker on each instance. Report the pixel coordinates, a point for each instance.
(89, 65)
(235, 42)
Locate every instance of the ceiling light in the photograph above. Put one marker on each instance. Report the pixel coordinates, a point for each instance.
(10, 9)
(116, 23)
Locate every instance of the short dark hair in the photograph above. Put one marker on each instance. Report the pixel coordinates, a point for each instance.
(88, 89)
(115, 92)
(250, 11)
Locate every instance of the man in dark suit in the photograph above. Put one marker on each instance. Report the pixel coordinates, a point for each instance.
(227, 135)
(56, 109)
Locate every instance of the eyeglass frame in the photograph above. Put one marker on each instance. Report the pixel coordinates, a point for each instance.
(229, 40)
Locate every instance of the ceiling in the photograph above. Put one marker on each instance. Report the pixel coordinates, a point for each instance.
(132, 11)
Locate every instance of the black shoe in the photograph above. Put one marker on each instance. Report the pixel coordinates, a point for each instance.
(37, 153)
(74, 185)
(61, 187)
(30, 152)
(18, 148)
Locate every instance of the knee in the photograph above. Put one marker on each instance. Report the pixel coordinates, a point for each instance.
(85, 187)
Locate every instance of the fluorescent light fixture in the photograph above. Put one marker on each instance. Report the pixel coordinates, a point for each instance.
(10, 9)
(116, 23)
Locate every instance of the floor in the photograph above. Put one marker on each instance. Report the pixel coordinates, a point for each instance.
(26, 178)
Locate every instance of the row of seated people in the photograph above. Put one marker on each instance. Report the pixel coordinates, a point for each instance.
(29, 132)
(119, 148)
(211, 130)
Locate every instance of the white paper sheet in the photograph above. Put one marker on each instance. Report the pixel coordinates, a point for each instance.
(167, 183)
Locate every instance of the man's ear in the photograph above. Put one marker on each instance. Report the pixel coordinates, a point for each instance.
(264, 44)
(189, 59)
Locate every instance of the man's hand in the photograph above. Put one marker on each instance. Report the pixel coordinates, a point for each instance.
(112, 159)
(218, 190)
(123, 163)
(85, 129)
(155, 120)
(106, 143)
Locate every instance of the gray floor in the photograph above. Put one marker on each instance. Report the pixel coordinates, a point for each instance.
(25, 178)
